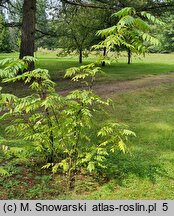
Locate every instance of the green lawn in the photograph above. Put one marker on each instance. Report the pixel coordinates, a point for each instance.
(152, 64)
(147, 172)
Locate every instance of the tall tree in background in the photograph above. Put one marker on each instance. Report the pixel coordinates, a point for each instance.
(167, 34)
(131, 32)
(29, 14)
(28, 30)
(78, 27)
(5, 45)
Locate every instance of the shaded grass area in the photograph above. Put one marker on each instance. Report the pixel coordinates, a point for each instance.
(115, 71)
(122, 71)
(146, 172)
(152, 64)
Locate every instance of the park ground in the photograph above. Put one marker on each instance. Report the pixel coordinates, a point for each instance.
(143, 99)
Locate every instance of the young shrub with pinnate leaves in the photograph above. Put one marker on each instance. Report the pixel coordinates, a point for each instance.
(62, 129)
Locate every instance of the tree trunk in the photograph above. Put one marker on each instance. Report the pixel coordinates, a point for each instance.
(80, 56)
(28, 30)
(104, 54)
(70, 177)
(129, 56)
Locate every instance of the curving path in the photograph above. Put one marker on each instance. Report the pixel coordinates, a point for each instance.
(121, 86)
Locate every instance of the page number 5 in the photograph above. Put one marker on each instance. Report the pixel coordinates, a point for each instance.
(165, 206)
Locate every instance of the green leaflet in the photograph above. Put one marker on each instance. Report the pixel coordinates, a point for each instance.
(91, 166)
(125, 11)
(3, 172)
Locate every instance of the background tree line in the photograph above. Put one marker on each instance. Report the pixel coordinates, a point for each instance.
(72, 25)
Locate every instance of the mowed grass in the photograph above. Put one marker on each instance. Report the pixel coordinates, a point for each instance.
(150, 170)
(152, 64)
(146, 172)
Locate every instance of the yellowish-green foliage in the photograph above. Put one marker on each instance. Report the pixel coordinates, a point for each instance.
(61, 129)
(130, 32)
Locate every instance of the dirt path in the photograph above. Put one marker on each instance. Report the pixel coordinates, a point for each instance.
(121, 86)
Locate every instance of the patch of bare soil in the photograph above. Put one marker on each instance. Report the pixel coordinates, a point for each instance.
(122, 86)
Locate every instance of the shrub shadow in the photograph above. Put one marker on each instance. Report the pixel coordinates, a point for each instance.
(140, 164)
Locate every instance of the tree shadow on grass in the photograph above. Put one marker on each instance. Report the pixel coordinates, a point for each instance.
(140, 164)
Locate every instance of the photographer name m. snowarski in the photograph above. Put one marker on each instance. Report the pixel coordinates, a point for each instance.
(63, 207)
